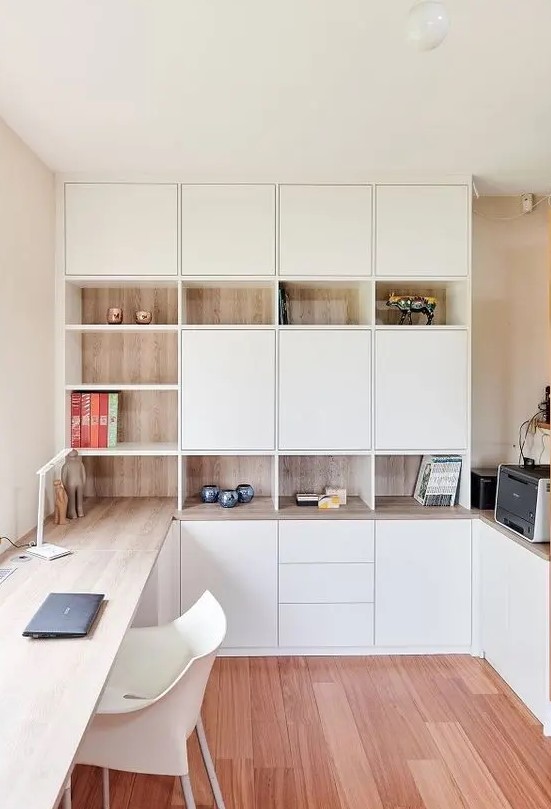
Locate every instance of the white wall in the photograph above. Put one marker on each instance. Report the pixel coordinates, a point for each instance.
(26, 329)
(510, 327)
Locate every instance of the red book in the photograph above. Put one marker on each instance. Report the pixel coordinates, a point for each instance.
(75, 419)
(85, 408)
(103, 418)
(94, 421)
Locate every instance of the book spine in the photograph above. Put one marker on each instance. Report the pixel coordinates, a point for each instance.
(75, 419)
(113, 419)
(94, 421)
(103, 418)
(85, 409)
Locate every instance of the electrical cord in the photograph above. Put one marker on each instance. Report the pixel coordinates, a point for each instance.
(516, 216)
(15, 545)
(530, 423)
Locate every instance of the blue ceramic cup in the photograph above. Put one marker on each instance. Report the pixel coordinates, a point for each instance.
(228, 498)
(210, 493)
(245, 492)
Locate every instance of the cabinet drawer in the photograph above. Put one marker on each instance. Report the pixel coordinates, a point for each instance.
(312, 625)
(326, 583)
(335, 541)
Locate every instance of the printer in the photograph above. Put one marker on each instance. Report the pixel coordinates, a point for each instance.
(522, 500)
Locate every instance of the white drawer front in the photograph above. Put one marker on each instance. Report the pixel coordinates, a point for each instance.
(311, 625)
(335, 541)
(326, 583)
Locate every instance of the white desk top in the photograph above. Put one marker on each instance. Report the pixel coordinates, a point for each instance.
(50, 688)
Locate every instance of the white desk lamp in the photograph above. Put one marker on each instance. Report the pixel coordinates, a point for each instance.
(42, 549)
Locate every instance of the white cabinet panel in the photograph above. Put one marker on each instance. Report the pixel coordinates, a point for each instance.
(160, 601)
(228, 229)
(324, 390)
(228, 382)
(422, 230)
(121, 229)
(334, 541)
(237, 562)
(325, 583)
(325, 230)
(423, 583)
(421, 389)
(320, 625)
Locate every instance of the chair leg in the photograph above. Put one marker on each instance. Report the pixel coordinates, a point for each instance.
(188, 793)
(105, 787)
(209, 765)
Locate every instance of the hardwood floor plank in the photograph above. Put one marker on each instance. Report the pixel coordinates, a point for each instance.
(475, 782)
(315, 782)
(420, 676)
(436, 785)
(275, 787)
(355, 781)
(234, 738)
(322, 669)
(271, 748)
(236, 778)
(149, 791)
(474, 673)
(298, 695)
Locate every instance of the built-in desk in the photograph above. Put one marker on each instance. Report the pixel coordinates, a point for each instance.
(50, 688)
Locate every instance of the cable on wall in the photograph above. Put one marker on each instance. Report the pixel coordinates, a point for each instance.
(516, 216)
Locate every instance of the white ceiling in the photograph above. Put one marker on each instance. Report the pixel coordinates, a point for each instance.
(283, 90)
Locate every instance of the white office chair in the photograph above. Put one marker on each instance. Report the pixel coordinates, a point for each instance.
(152, 701)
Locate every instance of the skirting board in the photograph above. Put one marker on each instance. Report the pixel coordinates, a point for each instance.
(345, 651)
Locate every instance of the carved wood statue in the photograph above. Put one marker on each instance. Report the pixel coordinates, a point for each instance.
(60, 503)
(73, 476)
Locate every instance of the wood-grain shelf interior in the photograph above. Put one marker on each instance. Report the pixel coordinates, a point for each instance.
(327, 303)
(312, 473)
(227, 304)
(131, 476)
(396, 477)
(88, 305)
(451, 308)
(227, 472)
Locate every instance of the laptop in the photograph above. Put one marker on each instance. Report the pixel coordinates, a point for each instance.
(65, 615)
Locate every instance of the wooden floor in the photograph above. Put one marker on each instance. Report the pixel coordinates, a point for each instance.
(354, 733)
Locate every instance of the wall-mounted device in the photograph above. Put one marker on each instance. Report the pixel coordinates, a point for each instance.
(522, 501)
(483, 488)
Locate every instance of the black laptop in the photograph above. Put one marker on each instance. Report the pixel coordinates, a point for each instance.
(65, 615)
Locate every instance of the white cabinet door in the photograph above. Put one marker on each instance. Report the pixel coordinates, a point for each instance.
(494, 595)
(325, 390)
(160, 601)
(228, 229)
(308, 626)
(237, 562)
(422, 230)
(325, 583)
(421, 389)
(121, 229)
(228, 390)
(325, 229)
(423, 583)
(331, 541)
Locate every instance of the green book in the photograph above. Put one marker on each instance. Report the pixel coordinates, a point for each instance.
(113, 420)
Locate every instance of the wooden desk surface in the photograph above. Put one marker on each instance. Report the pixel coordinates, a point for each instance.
(50, 688)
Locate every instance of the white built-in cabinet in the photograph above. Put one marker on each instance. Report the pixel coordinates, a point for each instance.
(423, 583)
(421, 389)
(325, 390)
(121, 229)
(515, 615)
(422, 230)
(228, 389)
(160, 601)
(228, 229)
(237, 562)
(325, 229)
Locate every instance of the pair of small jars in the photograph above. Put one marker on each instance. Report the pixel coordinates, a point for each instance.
(227, 498)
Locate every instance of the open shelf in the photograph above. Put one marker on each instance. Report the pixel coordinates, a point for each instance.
(129, 327)
(227, 472)
(152, 448)
(115, 386)
(312, 473)
(327, 303)
(395, 479)
(87, 303)
(131, 476)
(245, 303)
(451, 308)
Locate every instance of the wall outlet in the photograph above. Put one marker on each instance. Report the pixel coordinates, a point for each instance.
(527, 203)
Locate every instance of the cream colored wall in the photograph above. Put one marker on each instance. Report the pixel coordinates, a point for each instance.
(510, 327)
(27, 215)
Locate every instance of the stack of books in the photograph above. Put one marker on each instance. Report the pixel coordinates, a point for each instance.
(438, 480)
(94, 420)
(283, 306)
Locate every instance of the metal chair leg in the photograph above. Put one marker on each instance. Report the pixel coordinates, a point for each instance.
(105, 787)
(209, 765)
(188, 793)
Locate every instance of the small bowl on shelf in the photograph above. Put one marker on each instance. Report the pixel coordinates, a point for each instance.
(245, 492)
(228, 498)
(210, 493)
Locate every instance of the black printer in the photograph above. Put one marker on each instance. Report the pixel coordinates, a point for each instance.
(522, 500)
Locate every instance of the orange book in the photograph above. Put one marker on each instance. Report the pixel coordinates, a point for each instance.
(85, 405)
(75, 419)
(103, 418)
(94, 421)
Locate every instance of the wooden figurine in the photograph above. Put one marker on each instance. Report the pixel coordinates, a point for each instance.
(407, 304)
(60, 503)
(73, 476)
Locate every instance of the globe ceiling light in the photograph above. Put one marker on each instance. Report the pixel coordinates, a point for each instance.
(427, 25)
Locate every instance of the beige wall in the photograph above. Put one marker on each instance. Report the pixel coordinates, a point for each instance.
(510, 327)
(26, 329)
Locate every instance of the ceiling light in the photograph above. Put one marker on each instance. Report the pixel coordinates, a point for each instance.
(428, 23)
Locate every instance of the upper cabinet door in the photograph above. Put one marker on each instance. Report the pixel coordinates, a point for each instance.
(325, 229)
(324, 390)
(422, 230)
(121, 229)
(228, 389)
(228, 229)
(421, 389)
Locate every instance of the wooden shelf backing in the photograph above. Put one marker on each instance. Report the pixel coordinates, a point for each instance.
(134, 358)
(161, 301)
(223, 305)
(131, 476)
(451, 309)
(355, 509)
(327, 304)
(396, 475)
(312, 473)
(227, 472)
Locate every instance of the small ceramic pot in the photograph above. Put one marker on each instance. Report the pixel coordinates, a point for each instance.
(143, 318)
(209, 493)
(245, 492)
(114, 316)
(228, 498)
